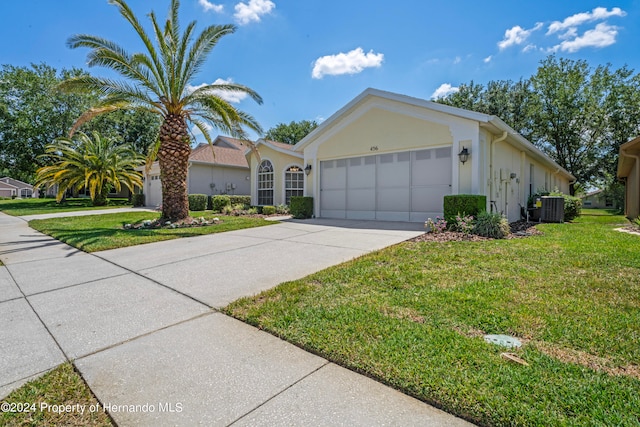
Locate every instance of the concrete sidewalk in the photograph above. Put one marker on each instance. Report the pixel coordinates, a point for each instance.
(140, 325)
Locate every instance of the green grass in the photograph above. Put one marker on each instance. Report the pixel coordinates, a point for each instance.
(62, 386)
(100, 232)
(413, 316)
(21, 207)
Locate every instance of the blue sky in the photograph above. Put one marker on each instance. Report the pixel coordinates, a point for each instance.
(307, 58)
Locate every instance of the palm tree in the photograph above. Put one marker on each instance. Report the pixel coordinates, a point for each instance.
(97, 164)
(159, 80)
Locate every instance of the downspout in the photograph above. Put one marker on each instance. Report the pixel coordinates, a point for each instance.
(491, 177)
(637, 158)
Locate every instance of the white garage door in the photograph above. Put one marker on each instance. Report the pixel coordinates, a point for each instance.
(153, 193)
(406, 186)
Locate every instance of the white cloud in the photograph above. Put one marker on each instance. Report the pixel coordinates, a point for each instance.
(602, 36)
(529, 48)
(444, 90)
(252, 11)
(488, 59)
(229, 96)
(457, 60)
(517, 35)
(207, 6)
(573, 21)
(352, 62)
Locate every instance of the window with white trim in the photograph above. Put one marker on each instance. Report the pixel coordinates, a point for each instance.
(265, 183)
(293, 183)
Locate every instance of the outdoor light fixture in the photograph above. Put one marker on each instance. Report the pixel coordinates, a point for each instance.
(463, 155)
(307, 169)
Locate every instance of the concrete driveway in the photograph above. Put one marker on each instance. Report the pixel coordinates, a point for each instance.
(140, 325)
(220, 268)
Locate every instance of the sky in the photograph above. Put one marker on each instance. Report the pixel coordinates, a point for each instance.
(308, 58)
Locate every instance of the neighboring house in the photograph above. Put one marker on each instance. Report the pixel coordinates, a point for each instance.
(10, 187)
(596, 199)
(221, 169)
(629, 173)
(387, 156)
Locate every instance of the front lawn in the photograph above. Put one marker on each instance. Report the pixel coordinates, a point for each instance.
(43, 402)
(413, 316)
(21, 207)
(100, 232)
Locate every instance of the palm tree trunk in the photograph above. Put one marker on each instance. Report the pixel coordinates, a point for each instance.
(173, 156)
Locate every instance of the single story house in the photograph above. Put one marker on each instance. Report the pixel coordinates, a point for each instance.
(10, 187)
(218, 169)
(629, 173)
(387, 156)
(596, 199)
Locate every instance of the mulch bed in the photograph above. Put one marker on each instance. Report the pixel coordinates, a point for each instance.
(519, 230)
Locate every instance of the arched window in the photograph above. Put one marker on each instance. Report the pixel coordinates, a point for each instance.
(265, 183)
(293, 183)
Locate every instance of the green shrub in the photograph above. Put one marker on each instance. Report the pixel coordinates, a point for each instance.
(301, 207)
(227, 210)
(137, 200)
(219, 202)
(637, 221)
(282, 210)
(463, 205)
(197, 202)
(268, 210)
(491, 224)
(240, 200)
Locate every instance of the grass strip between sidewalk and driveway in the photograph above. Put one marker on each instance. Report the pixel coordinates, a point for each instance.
(58, 398)
(413, 316)
(93, 233)
(22, 207)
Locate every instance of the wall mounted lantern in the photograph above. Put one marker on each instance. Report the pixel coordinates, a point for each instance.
(463, 155)
(307, 169)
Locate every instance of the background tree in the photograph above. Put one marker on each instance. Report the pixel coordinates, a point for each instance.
(98, 164)
(159, 81)
(33, 113)
(577, 115)
(291, 133)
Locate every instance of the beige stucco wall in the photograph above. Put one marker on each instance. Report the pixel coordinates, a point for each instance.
(202, 175)
(633, 193)
(281, 161)
(379, 131)
(510, 194)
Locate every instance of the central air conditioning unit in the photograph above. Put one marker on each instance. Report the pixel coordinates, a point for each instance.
(552, 209)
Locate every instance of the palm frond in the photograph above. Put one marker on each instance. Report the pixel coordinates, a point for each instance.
(202, 46)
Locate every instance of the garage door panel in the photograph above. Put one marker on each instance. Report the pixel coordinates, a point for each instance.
(404, 186)
(334, 175)
(361, 200)
(333, 199)
(392, 173)
(361, 173)
(424, 199)
(393, 199)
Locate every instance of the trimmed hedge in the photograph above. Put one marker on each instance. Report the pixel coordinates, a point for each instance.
(137, 200)
(301, 207)
(240, 200)
(463, 204)
(268, 210)
(197, 202)
(219, 202)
